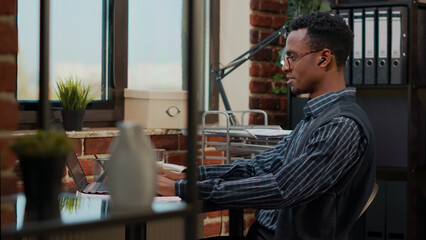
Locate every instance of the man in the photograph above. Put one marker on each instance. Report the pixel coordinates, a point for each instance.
(316, 180)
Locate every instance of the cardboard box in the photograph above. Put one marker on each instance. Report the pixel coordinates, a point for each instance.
(156, 109)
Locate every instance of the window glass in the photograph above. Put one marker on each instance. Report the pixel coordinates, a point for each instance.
(28, 53)
(75, 44)
(155, 45)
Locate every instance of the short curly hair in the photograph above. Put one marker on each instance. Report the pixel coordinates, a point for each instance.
(326, 31)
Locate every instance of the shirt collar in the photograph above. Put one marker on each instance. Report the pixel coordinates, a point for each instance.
(315, 106)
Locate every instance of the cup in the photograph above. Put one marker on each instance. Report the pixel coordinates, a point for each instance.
(99, 166)
(161, 156)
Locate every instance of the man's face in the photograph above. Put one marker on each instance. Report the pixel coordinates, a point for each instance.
(300, 63)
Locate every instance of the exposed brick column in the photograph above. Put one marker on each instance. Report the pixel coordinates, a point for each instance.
(8, 104)
(266, 17)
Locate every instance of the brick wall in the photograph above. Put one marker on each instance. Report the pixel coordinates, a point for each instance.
(266, 17)
(8, 104)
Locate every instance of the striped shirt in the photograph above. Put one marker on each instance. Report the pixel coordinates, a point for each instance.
(277, 178)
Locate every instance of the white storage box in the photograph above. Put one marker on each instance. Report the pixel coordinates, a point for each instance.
(156, 109)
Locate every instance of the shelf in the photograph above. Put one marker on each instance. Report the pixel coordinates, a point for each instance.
(397, 114)
(371, 4)
(391, 174)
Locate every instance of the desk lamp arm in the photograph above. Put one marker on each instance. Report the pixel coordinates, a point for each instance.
(221, 73)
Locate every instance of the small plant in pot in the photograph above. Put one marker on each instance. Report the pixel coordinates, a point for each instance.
(42, 161)
(74, 97)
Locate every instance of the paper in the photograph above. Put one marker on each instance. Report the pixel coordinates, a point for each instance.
(383, 33)
(107, 197)
(173, 167)
(232, 133)
(396, 33)
(263, 132)
(167, 199)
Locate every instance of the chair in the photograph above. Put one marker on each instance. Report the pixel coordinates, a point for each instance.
(367, 204)
(370, 199)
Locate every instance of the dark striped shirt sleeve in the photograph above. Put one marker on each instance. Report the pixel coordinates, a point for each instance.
(328, 154)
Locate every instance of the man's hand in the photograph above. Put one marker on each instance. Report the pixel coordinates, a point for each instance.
(165, 186)
(171, 175)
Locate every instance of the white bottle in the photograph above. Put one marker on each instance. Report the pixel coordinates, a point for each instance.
(132, 169)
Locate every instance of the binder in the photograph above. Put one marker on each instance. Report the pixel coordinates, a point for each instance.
(375, 216)
(396, 210)
(357, 58)
(399, 45)
(345, 14)
(370, 48)
(383, 46)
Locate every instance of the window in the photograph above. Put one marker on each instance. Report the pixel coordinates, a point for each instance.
(75, 45)
(86, 38)
(155, 45)
(156, 51)
(112, 45)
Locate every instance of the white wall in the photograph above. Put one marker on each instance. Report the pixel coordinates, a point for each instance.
(234, 40)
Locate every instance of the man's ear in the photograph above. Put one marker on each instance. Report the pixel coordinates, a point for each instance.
(325, 57)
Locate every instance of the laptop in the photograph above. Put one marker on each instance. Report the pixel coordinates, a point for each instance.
(83, 186)
(99, 186)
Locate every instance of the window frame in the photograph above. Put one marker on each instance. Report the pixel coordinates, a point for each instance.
(106, 113)
(102, 113)
(214, 56)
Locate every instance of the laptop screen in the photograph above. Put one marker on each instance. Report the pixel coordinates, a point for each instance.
(72, 161)
(76, 171)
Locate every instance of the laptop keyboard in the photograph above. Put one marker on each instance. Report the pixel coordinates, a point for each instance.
(97, 187)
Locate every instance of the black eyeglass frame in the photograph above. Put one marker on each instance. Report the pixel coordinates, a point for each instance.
(294, 58)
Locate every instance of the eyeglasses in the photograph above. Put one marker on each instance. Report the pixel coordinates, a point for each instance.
(289, 61)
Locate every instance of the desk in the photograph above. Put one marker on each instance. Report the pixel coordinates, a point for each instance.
(83, 213)
(236, 218)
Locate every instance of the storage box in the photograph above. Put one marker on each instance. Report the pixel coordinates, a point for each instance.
(156, 109)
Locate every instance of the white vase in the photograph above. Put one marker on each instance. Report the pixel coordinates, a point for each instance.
(132, 170)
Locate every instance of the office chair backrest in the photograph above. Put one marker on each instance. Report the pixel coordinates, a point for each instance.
(370, 199)
(367, 204)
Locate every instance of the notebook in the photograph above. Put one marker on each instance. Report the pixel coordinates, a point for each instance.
(83, 186)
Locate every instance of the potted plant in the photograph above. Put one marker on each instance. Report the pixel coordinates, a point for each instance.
(42, 161)
(74, 97)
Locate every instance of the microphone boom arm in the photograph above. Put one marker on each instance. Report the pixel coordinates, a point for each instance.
(221, 73)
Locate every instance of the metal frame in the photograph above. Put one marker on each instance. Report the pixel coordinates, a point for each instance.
(238, 142)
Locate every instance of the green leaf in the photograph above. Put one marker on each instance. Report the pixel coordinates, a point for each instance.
(45, 144)
(325, 7)
(278, 77)
(278, 61)
(276, 90)
(283, 89)
(306, 7)
(72, 93)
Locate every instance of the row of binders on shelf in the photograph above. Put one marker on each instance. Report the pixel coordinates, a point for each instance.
(379, 54)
